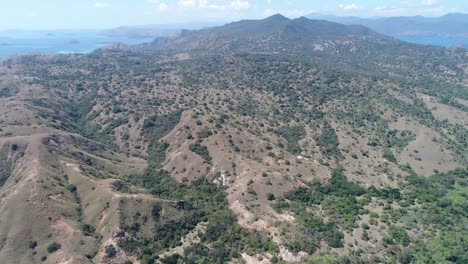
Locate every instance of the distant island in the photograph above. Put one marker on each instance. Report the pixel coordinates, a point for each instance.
(153, 31)
(74, 42)
(150, 31)
(452, 25)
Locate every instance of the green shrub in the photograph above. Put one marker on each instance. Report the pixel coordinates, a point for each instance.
(201, 150)
(205, 133)
(88, 230)
(328, 141)
(271, 196)
(71, 188)
(32, 244)
(388, 155)
(292, 134)
(53, 247)
(110, 251)
(399, 235)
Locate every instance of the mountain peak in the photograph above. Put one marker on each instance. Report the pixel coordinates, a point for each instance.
(277, 17)
(302, 18)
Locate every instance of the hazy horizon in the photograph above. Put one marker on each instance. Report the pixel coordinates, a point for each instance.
(105, 14)
(197, 24)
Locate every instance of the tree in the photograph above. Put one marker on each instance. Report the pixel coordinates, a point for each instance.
(110, 251)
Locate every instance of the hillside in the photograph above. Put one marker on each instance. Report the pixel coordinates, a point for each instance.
(260, 141)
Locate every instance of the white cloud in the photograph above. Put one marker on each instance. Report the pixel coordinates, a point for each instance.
(215, 5)
(203, 3)
(240, 5)
(187, 3)
(430, 2)
(163, 7)
(404, 8)
(159, 5)
(349, 7)
(101, 5)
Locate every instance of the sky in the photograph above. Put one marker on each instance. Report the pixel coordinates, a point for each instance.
(101, 14)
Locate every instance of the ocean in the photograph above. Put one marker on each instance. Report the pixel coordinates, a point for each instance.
(437, 41)
(65, 42)
(69, 42)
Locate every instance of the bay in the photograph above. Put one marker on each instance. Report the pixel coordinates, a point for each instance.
(65, 42)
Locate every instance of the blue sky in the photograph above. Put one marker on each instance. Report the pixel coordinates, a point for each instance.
(85, 14)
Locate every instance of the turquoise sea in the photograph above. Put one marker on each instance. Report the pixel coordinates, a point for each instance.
(49, 42)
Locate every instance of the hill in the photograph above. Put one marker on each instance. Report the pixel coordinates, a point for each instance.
(260, 141)
(273, 34)
(315, 41)
(452, 25)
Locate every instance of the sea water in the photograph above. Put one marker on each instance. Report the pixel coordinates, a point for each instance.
(438, 41)
(65, 42)
(81, 42)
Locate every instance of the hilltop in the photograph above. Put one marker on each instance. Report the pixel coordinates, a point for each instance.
(260, 141)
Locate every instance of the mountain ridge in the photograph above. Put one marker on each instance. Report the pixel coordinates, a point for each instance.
(270, 35)
(449, 25)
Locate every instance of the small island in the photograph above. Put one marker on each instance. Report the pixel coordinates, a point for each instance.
(73, 42)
